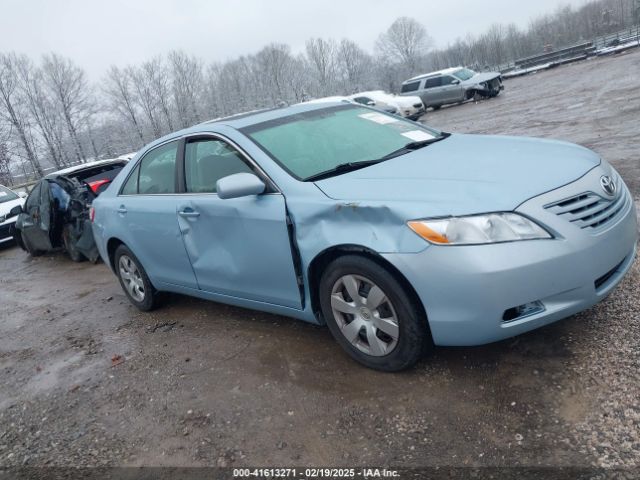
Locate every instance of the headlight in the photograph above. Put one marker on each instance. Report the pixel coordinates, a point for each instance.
(478, 229)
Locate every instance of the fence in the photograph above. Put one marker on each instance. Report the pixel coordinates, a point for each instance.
(602, 45)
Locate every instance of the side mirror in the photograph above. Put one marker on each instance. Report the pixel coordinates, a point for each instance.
(239, 185)
(371, 103)
(22, 194)
(15, 211)
(456, 82)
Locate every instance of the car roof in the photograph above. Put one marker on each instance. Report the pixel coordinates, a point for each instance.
(87, 165)
(246, 119)
(446, 71)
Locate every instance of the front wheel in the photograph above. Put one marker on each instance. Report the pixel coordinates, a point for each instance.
(134, 280)
(371, 316)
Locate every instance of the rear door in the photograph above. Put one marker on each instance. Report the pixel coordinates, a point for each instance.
(238, 247)
(146, 210)
(433, 91)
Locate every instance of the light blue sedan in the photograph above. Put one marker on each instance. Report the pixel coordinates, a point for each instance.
(394, 235)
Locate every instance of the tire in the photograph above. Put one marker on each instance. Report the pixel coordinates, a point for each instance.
(404, 336)
(71, 249)
(134, 280)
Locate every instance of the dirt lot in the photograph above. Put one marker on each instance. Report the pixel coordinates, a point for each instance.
(88, 380)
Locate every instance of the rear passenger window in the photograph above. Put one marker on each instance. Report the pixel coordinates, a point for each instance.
(207, 161)
(433, 82)
(410, 87)
(158, 170)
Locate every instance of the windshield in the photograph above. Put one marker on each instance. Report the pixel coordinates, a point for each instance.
(317, 141)
(7, 195)
(464, 74)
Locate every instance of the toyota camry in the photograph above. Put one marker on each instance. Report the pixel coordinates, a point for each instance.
(395, 235)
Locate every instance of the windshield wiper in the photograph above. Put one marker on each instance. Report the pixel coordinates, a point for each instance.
(411, 146)
(351, 166)
(342, 168)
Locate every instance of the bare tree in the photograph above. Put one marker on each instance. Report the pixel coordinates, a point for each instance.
(406, 41)
(11, 111)
(68, 85)
(117, 87)
(322, 59)
(354, 64)
(158, 77)
(186, 76)
(41, 108)
(145, 96)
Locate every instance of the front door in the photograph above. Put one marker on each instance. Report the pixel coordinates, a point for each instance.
(238, 247)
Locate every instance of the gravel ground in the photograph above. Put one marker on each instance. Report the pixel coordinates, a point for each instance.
(88, 380)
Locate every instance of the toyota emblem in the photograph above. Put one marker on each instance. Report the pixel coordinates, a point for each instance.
(608, 185)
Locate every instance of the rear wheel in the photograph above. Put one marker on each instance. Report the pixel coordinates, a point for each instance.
(371, 316)
(134, 280)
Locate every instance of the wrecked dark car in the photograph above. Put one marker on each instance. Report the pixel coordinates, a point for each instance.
(56, 212)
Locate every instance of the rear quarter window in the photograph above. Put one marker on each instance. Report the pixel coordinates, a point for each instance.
(410, 87)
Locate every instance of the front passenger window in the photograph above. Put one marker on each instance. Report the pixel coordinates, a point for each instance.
(207, 161)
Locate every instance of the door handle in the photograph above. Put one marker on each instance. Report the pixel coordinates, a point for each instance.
(122, 209)
(187, 212)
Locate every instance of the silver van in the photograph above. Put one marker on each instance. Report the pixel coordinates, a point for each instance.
(453, 85)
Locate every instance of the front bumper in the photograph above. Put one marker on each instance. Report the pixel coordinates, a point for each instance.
(466, 290)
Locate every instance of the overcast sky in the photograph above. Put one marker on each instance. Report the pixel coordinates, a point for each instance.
(98, 33)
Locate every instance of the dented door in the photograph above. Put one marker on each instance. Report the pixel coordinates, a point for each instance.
(240, 247)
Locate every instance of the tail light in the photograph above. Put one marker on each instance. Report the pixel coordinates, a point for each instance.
(95, 185)
(92, 214)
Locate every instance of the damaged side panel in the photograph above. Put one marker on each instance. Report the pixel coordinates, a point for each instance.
(57, 215)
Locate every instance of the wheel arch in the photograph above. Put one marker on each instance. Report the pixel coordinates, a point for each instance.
(323, 259)
(112, 245)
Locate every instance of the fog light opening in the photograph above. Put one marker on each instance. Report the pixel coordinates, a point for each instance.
(525, 310)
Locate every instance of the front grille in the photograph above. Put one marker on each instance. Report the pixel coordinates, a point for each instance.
(590, 210)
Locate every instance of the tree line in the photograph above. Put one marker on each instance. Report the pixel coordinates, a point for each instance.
(51, 116)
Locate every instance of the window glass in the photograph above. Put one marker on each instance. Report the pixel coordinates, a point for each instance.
(410, 87)
(207, 161)
(158, 170)
(34, 197)
(464, 74)
(447, 80)
(433, 82)
(364, 100)
(7, 195)
(131, 187)
(315, 141)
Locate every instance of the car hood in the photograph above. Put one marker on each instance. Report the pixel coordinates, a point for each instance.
(481, 77)
(466, 174)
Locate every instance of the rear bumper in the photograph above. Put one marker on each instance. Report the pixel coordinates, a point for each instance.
(466, 290)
